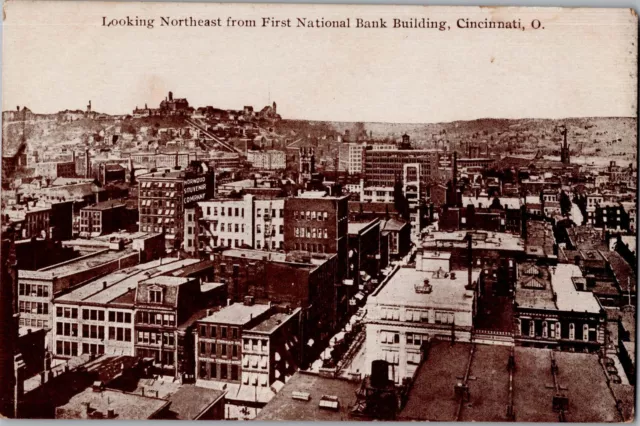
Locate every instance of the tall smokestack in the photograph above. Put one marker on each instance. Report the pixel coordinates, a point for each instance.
(470, 265)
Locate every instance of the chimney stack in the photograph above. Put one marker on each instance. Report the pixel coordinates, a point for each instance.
(470, 258)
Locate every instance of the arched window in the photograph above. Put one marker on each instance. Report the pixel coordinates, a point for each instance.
(572, 331)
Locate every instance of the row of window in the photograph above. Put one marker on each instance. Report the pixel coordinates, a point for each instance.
(41, 308)
(209, 370)
(158, 203)
(255, 345)
(93, 314)
(312, 247)
(311, 232)
(537, 328)
(222, 332)
(152, 338)
(67, 329)
(239, 211)
(266, 213)
(120, 334)
(273, 245)
(66, 348)
(93, 331)
(273, 230)
(170, 231)
(157, 185)
(35, 290)
(157, 220)
(379, 193)
(122, 317)
(154, 318)
(230, 227)
(160, 357)
(309, 215)
(158, 194)
(440, 317)
(212, 350)
(32, 322)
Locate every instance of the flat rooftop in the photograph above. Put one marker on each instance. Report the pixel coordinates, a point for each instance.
(168, 174)
(127, 406)
(481, 240)
(570, 299)
(446, 293)
(86, 262)
(121, 282)
(284, 408)
(298, 257)
(189, 402)
(432, 397)
(270, 324)
(167, 280)
(236, 314)
(320, 194)
(105, 205)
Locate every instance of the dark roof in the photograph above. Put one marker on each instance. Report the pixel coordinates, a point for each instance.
(105, 205)
(432, 396)
(283, 407)
(623, 272)
(190, 401)
(195, 268)
(169, 285)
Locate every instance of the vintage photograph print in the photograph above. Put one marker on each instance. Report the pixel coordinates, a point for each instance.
(280, 212)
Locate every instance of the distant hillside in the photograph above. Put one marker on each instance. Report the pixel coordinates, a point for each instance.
(601, 136)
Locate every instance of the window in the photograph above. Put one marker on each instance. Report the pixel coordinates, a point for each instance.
(223, 371)
(234, 372)
(572, 331)
(223, 350)
(234, 351)
(223, 332)
(155, 296)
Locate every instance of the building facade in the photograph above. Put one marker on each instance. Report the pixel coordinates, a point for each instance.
(163, 196)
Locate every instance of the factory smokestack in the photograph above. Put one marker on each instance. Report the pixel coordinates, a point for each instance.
(470, 258)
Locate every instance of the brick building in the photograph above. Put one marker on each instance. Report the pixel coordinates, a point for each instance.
(163, 196)
(104, 218)
(296, 279)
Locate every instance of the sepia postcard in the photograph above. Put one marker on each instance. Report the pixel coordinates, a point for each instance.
(298, 212)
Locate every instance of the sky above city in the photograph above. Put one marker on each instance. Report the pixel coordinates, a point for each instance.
(583, 63)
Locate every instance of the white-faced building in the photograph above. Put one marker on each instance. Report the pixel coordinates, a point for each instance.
(413, 306)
